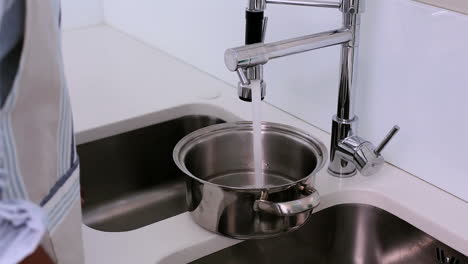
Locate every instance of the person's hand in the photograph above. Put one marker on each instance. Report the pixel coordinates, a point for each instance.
(38, 257)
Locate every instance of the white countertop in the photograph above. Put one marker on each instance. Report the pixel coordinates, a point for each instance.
(118, 84)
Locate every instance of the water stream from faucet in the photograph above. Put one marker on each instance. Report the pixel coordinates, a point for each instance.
(257, 133)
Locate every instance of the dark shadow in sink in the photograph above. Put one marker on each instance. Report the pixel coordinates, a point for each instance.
(130, 180)
(344, 234)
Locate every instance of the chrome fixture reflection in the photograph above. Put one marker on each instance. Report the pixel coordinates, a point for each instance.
(348, 151)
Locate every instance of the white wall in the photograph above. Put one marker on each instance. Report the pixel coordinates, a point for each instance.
(413, 70)
(81, 13)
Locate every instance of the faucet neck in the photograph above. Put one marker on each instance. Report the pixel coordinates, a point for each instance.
(351, 10)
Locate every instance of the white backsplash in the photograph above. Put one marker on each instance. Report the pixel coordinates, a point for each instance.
(81, 13)
(413, 70)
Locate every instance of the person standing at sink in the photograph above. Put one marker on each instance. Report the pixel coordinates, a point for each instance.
(39, 175)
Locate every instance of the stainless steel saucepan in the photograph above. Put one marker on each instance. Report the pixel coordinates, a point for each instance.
(221, 192)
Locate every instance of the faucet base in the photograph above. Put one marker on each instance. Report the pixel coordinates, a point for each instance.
(341, 166)
(342, 174)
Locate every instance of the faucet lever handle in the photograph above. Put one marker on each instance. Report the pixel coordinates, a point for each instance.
(387, 139)
(242, 76)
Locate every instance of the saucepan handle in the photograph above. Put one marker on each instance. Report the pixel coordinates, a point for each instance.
(307, 203)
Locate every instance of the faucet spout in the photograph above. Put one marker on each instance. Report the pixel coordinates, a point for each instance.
(257, 54)
(255, 27)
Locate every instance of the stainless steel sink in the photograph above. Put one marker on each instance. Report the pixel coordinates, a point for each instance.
(130, 180)
(344, 234)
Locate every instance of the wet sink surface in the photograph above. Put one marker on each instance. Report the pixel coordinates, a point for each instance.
(344, 234)
(130, 180)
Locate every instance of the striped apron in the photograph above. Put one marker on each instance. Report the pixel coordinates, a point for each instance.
(37, 130)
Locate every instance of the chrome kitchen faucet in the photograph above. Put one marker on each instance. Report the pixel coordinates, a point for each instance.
(348, 151)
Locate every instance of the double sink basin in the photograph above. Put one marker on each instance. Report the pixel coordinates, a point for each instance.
(130, 181)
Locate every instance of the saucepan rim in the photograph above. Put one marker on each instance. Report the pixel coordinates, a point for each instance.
(186, 143)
